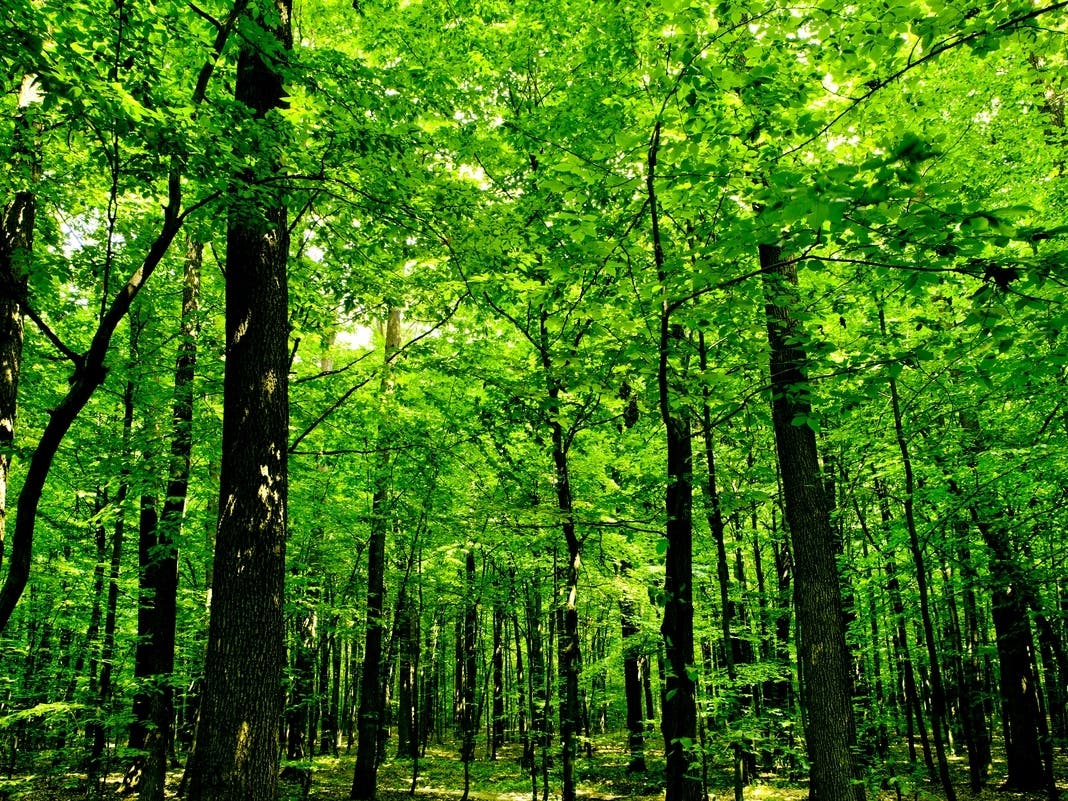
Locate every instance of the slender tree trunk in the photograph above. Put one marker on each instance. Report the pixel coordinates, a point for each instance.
(823, 654)
(329, 742)
(96, 771)
(237, 747)
(914, 718)
(632, 683)
(153, 705)
(569, 655)
(469, 678)
(678, 723)
(540, 737)
(372, 693)
(408, 635)
(977, 736)
(938, 696)
(499, 721)
(727, 612)
(878, 702)
(302, 688)
(430, 718)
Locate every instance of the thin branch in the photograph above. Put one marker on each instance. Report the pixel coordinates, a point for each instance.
(51, 335)
(932, 54)
(333, 407)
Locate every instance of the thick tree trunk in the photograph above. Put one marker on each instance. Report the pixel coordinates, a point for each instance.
(16, 251)
(824, 657)
(237, 748)
(369, 718)
(1028, 770)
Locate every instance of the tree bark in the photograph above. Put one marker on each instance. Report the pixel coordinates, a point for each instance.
(632, 682)
(372, 693)
(824, 657)
(237, 747)
(153, 705)
(1025, 753)
(499, 721)
(407, 694)
(568, 645)
(678, 722)
(469, 666)
(938, 696)
(16, 252)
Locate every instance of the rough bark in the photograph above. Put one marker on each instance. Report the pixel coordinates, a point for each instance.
(823, 654)
(237, 746)
(16, 251)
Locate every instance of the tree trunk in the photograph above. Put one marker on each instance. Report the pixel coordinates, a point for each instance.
(632, 683)
(302, 688)
(678, 722)
(96, 770)
(499, 721)
(727, 613)
(153, 705)
(824, 657)
(977, 736)
(569, 655)
(1024, 750)
(16, 250)
(938, 696)
(372, 694)
(407, 694)
(237, 746)
(468, 679)
(539, 720)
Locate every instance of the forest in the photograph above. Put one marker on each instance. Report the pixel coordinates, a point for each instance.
(505, 399)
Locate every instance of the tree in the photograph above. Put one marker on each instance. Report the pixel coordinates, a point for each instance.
(824, 657)
(370, 717)
(153, 705)
(236, 753)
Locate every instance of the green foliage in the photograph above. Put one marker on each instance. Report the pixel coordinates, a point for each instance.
(482, 165)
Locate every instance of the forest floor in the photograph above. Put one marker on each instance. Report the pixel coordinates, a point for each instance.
(601, 777)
